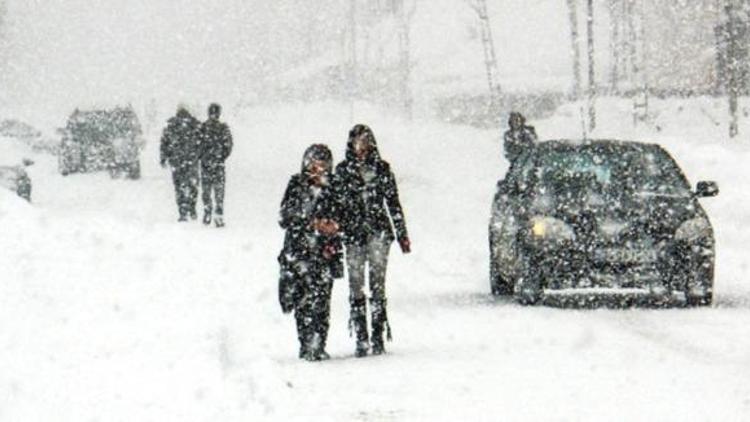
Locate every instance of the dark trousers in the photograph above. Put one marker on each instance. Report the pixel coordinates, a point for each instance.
(213, 180)
(312, 310)
(185, 179)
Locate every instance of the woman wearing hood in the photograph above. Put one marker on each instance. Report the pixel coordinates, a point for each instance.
(312, 254)
(372, 211)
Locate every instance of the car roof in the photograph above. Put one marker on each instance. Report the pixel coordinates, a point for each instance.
(566, 144)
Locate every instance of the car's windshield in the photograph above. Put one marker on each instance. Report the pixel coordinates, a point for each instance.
(610, 170)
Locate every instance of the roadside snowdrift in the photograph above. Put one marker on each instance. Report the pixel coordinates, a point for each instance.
(110, 310)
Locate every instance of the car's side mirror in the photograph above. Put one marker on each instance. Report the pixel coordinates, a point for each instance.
(706, 189)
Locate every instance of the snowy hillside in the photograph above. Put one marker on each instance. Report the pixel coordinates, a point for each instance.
(110, 310)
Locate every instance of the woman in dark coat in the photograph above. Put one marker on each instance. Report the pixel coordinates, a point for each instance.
(312, 254)
(372, 212)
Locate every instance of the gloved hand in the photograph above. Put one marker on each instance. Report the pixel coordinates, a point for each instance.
(405, 244)
(163, 163)
(329, 251)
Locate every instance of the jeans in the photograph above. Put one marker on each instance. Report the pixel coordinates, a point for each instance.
(375, 255)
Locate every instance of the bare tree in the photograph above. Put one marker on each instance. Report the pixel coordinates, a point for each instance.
(404, 18)
(488, 44)
(733, 34)
(353, 78)
(3, 12)
(636, 18)
(591, 64)
(575, 50)
(615, 19)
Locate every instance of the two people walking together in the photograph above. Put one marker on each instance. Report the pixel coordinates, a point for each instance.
(194, 152)
(352, 211)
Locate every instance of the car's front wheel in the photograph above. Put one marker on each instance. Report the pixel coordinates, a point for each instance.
(499, 286)
(692, 271)
(700, 291)
(529, 287)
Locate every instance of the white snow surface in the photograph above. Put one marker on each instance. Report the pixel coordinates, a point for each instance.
(110, 310)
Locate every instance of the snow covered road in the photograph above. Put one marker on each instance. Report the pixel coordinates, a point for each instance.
(110, 310)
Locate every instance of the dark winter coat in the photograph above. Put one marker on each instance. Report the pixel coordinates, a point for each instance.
(302, 204)
(517, 141)
(371, 198)
(179, 141)
(302, 254)
(215, 143)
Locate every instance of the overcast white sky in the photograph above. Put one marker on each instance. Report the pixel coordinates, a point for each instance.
(68, 52)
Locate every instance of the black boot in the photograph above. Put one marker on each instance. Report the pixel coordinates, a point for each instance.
(321, 337)
(379, 324)
(317, 347)
(303, 335)
(182, 210)
(358, 321)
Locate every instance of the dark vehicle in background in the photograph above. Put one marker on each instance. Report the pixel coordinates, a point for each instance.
(16, 179)
(26, 134)
(581, 220)
(102, 140)
(14, 128)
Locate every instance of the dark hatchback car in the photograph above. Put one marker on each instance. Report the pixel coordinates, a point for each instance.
(102, 140)
(600, 218)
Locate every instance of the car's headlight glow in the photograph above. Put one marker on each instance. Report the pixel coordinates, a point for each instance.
(693, 229)
(550, 228)
(539, 229)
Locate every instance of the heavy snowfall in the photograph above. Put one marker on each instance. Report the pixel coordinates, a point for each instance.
(111, 309)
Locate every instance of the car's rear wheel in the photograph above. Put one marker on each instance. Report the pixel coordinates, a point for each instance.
(134, 170)
(705, 300)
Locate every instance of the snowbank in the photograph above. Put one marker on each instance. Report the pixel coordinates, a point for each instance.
(110, 310)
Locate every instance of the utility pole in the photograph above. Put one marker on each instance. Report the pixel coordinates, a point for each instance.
(614, 45)
(575, 50)
(592, 82)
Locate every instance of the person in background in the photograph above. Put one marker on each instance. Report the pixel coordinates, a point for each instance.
(215, 148)
(179, 152)
(518, 137)
(371, 204)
